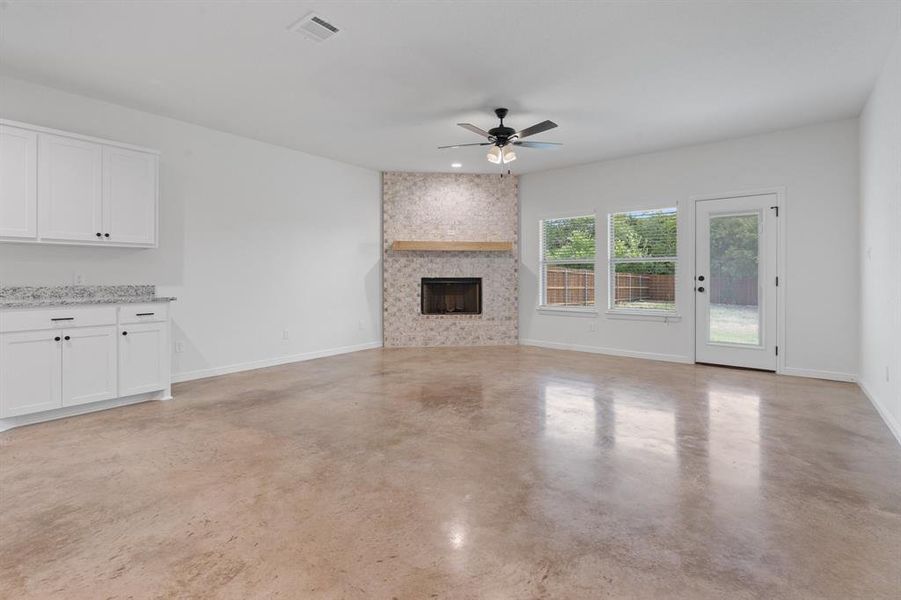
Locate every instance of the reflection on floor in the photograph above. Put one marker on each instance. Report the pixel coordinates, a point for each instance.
(460, 473)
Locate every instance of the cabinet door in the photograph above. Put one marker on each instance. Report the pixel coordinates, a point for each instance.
(143, 358)
(18, 182)
(89, 364)
(129, 196)
(30, 379)
(69, 189)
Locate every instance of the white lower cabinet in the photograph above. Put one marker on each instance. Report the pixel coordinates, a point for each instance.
(143, 358)
(30, 378)
(89, 371)
(48, 361)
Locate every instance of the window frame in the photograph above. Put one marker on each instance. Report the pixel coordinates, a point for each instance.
(641, 313)
(543, 307)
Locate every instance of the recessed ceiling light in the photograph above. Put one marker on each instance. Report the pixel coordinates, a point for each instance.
(456, 165)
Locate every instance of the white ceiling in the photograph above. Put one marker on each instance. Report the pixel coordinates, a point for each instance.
(619, 78)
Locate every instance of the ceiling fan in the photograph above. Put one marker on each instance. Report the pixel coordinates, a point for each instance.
(505, 139)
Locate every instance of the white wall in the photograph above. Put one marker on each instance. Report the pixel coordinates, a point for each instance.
(880, 265)
(254, 238)
(818, 167)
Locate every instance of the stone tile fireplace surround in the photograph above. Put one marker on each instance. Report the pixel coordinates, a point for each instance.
(449, 207)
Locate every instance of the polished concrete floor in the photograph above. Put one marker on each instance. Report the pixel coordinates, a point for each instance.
(461, 473)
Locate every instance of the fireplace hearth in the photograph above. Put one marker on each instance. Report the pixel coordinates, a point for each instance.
(451, 295)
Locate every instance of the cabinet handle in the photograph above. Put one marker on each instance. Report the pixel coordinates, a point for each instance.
(56, 339)
(144, 314)
(106, 235)
(124, 333)
(67, 338)
(99, 234)
(63, 319)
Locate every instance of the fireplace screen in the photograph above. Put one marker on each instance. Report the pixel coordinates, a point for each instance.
(451, 296)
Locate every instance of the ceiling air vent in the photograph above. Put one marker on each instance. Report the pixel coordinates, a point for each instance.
(314, 27)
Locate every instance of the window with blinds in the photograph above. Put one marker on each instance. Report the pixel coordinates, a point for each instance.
(568, 249)
(643, 260)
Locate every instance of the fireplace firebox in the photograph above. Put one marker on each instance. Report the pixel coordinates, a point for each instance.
(451, 295)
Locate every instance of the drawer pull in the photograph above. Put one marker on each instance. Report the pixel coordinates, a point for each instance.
(63, 319)
(144, 314)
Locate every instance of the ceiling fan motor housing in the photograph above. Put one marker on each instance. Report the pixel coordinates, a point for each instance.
(501, 133)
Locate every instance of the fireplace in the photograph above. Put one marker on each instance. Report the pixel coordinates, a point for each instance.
(451, 295)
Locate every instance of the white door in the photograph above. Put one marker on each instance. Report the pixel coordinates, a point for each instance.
(129, 196)
(18, 182)
(736, 281)
(30, 379)
(143, 358)
(89, 365)
(70, 200)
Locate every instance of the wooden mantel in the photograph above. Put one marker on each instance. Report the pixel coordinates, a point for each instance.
(399, 245)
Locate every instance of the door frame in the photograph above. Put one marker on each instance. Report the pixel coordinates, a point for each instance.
(779, 192)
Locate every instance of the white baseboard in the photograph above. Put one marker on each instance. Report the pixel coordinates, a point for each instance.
(676, 358)
(271, 362)
(816, 374)
(82, 409)
(887, 417)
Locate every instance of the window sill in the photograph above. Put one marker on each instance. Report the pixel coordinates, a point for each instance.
(662, 317)
(568, 311)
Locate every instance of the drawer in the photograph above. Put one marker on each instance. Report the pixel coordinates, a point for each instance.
(62, 317)
(143, 313)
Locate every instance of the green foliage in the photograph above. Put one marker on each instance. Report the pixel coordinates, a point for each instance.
(645, 234)
(569, 238)
(733, 246)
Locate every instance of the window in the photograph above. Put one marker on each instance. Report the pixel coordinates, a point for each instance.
(643, 260)
(567, 262)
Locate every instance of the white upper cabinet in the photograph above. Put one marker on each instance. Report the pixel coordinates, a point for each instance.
(129, 195)
(70, 197)
(18, 182)
(62, 188)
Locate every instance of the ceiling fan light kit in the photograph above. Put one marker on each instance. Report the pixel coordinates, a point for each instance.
(502, 139)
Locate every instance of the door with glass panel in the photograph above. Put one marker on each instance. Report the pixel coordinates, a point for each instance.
(736, 281)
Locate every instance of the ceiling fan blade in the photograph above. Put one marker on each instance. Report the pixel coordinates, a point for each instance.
(474, 129)
(464, 145)
(550, 145)
(537, 128)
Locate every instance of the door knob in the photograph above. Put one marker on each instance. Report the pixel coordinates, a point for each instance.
(701, 289)
(56, 339)
(106, 235)
(99, 234)
(67, 338)
(124, 333)
(700, 278)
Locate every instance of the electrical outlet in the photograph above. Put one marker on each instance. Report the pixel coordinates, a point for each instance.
(284, 334)
(179, 347)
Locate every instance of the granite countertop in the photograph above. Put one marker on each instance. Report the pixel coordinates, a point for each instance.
(78, 295)
(25, 303)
